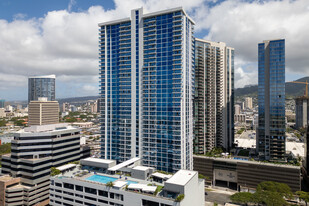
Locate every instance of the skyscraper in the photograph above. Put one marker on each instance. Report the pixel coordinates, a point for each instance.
(214, 96)
(2, 103)
(271, 100)
(147, 86)
(41, 86)
(302, 111)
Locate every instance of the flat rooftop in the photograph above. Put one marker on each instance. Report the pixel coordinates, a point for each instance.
(182, 177)
(46, 128)
(124, 164)
(142, 168)
(248, 162)
(66, 167)
(98, 160)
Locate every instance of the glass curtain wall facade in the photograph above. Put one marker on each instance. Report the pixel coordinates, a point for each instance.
(41, 86)
(147, 88)
(214, 96)
(271, 100)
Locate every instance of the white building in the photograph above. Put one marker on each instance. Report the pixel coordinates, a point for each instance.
(91, 188)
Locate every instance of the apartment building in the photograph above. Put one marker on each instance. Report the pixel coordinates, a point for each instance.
(147, 87)
(132, 184)
(270, 139)
(214, 96)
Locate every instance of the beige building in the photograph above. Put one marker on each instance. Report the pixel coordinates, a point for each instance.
(248, 103)
(43, 112)
(214, 96)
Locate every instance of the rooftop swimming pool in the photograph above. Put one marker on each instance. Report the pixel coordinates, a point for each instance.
(131, 182)
(105, 179)
(101, 179)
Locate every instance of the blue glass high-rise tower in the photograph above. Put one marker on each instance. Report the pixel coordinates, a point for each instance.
(147, 88)
(41, 86)
(271, 100)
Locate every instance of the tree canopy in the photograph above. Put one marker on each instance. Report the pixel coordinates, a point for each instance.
(242, 197)
(268, 193)
(303, 196)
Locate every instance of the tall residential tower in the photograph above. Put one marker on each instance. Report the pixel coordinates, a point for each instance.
(214, 96)
(41, 86)
(271, 100)
(147, 86)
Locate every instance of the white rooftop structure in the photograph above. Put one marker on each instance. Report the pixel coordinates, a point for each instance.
(66, 167)
(119, 184)
(162, 176)
(46, 128)
(124, 164)
(44, 76)
(143, 187)
(98, 160)
(182, 177)
(246, 143)
(297, 148)
(142, 168)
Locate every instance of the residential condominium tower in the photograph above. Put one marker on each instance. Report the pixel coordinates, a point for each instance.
(147, 85)
(214, 96)
(271, 100)
(41, 86)
(302, 111)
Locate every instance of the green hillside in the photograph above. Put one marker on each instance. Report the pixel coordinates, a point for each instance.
(292, 90)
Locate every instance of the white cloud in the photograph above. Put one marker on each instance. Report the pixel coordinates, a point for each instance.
(65, 43)
(243, 25)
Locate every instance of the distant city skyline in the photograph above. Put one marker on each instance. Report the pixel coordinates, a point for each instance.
(60, 37)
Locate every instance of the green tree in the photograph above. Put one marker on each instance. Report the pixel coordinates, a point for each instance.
(283, 189)
(5, 148)
(54, 171)
(242, 198)
(109, 184)
(272, 193)
(180, 197)
(303, 196)
(3, 123)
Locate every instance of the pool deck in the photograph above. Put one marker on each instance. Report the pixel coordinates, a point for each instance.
(84, 177)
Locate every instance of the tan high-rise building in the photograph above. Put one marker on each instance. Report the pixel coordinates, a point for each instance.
(248, 103)
(214, 96)
(43, 112)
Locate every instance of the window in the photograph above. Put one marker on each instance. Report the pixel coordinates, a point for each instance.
(103, 201)
(103, 193)
(68, 186)
(91, 198)
(79, 188)
(90, 190)
(58, 184)
(77, 195)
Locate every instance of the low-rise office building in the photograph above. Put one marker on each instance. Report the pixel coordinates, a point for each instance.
(43, 112)
(34, 151)
(132, 184)
(244, 175)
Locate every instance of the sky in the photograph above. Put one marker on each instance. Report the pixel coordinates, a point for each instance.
(42, 37)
